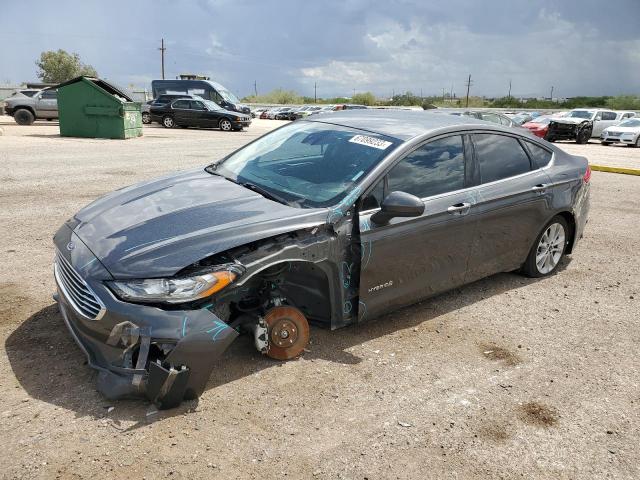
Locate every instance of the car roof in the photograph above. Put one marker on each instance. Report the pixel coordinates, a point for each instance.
(401, 124)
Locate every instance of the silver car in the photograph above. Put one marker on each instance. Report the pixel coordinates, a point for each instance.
(627, 132)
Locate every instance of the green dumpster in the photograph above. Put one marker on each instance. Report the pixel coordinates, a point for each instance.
(90, 107)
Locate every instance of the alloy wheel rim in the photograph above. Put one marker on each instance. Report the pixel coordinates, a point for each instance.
(225, 125)
(168, 122)
(550, 248)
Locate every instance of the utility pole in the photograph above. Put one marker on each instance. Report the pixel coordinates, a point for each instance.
(255, 87)
(442, 94)
(315, 92)
(468, 87)
(162, 50)
(509, 90)
(551, 97)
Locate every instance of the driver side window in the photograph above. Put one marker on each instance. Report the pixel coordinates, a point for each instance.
(434, 168)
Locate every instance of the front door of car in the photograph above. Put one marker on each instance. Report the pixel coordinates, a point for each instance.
(603, 120)
(199, 114)
(409, 259)
(513, 203)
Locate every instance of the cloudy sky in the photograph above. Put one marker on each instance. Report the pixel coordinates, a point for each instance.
(577, 46)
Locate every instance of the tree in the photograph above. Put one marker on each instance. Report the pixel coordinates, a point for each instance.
(366, 98)
(60, 66)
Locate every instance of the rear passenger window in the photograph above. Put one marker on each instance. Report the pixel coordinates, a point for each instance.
(540, 156)
(434, 168)
(499, 156)
(181, 104)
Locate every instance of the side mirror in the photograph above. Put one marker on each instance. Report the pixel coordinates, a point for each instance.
(398, 204)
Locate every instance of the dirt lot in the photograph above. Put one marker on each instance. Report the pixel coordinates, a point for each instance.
(506, 378)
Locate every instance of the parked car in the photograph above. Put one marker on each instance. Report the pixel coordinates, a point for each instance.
(336, 220)
(25, 110)
(198, 113)
(539, 126)
(487, 116)
(522, 118)
(257, 112)
(286, 114)
(160, 101)
(271, 114)
(627, 132)
(581, 124)
(306, 111)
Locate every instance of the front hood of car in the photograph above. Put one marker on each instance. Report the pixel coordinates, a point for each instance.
(19, 100)
(622, 129)
(156, 228)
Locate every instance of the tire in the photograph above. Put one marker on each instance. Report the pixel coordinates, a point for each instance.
(168, 122)
(583, 136)
(23, 117)
(225, 125)
(146, 118)
(548, 249)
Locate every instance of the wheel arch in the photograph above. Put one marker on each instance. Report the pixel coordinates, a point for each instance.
(571, 222)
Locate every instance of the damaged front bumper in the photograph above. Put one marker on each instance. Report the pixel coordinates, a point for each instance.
(138, 350)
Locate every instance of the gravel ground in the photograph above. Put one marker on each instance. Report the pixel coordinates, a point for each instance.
(506, 378)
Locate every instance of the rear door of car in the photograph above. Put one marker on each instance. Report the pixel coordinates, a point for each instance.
(182, 113)
(412, 258)
(512, 203)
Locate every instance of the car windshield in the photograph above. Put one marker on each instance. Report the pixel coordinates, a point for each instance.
(581, 114)
(227, 95)
(634, 122)
(307, 164)
(211, 105)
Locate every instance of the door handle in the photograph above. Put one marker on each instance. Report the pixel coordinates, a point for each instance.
(540, 187)
(459, 208)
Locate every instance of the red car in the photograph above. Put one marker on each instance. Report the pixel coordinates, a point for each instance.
(539, 126)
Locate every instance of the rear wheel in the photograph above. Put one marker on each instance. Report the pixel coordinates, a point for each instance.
(146, 118)
(24, 117)
(168, 122)
(225, 125)
(548, 249)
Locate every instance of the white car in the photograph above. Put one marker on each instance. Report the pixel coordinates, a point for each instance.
(627, 132)
(600, 118)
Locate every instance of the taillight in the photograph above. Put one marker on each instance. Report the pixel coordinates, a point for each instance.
(587, 175)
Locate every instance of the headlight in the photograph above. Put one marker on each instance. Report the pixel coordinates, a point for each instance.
(177, 290)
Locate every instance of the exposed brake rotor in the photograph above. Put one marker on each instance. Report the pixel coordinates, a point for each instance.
(288, 332)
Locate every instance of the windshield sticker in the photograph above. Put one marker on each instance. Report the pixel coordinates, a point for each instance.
(370, 141)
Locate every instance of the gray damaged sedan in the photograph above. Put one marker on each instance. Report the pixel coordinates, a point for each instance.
(332, 220)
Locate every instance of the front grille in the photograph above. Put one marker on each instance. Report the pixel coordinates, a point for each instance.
(614, 134)
(76, 291)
